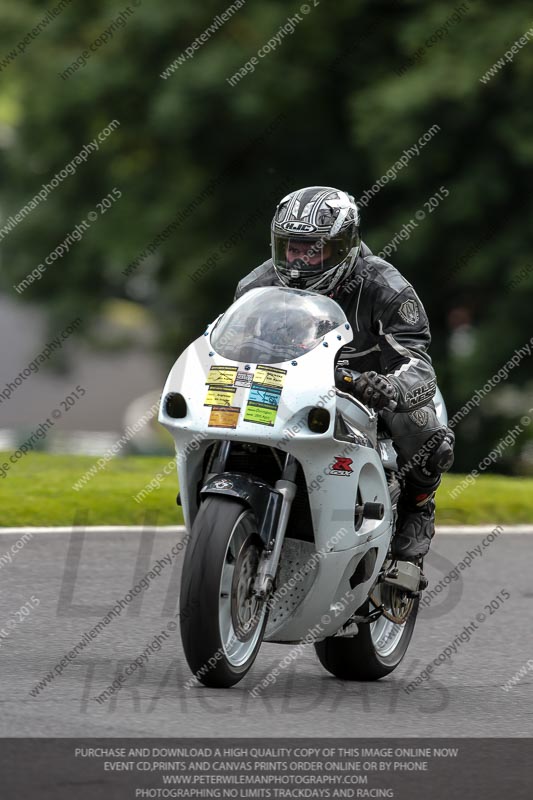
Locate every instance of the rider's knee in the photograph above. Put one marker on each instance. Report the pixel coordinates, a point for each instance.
(428, 455)
(440, 457)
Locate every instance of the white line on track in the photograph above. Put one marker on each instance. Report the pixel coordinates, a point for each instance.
(96, 529)
(461, 530)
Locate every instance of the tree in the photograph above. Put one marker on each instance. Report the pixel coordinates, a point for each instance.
(200, 157)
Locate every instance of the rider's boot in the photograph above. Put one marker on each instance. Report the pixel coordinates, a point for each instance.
(416, 522)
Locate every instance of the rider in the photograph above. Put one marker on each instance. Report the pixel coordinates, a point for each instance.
(316, 246)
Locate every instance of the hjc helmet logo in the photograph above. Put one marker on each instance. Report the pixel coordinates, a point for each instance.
(299, 227)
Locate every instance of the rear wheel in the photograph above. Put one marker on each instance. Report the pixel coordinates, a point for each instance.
(379, 646)
(221, 622)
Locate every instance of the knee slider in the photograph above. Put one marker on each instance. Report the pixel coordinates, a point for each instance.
(441, 459)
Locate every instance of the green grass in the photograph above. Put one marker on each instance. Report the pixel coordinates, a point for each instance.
(492, 498)
(38, 491)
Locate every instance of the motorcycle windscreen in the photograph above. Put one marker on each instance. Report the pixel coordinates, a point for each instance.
(275, 324)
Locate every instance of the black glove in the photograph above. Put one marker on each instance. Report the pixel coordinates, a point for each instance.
(375, 391)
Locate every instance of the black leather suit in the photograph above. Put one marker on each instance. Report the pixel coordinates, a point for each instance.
(391, 336)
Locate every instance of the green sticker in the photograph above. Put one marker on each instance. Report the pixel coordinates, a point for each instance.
(260, 414)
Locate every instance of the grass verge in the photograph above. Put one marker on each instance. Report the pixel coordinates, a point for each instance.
(38, 491)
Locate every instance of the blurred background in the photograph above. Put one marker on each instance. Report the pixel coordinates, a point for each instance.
(187, 167)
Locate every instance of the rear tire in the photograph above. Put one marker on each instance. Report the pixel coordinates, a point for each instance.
(376, 651)
(221, 624)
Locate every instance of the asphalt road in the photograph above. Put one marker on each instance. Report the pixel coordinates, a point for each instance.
(76, 579)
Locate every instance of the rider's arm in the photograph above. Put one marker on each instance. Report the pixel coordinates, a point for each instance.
(404, 339)
(263, 275)
(240, 289)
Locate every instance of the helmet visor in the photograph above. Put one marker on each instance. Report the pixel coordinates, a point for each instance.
(310, 256)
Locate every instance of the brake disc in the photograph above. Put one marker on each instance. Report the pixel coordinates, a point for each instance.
(400, 605)
(245, 607)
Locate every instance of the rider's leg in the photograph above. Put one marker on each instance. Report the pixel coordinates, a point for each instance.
(425, 451)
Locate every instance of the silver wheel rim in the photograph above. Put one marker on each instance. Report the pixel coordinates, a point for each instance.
(233, 589)
(385, 634)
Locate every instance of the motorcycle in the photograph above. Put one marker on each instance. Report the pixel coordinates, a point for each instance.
(289, 488)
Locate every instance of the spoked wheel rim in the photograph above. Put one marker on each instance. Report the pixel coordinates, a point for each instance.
(240, 614)
(386, 632)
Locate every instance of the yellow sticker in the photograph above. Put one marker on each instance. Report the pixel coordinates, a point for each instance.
(219, 397)
(260, 414)
(221, 417)
(269, 376)
(221, 376)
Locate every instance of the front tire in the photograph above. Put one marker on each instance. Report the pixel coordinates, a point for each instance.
(376, 650)
(221, 623)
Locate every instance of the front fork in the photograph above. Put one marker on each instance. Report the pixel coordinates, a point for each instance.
(268, 565)
(272, 515)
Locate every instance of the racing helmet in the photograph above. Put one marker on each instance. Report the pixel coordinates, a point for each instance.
(315, 238)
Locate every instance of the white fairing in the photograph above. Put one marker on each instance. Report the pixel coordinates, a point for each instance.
(305, 382)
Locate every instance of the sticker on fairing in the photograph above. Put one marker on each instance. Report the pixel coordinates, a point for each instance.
(244, 379)
(261, 415)
(269, 376)
(265, 397)
(219, 397)
(341, 467)
(223, 417)
(221, 376)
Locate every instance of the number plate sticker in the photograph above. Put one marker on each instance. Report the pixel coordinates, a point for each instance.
(221, 376)
(269, 376)
(265, 397)
(219, 397)
(222, 417)
(261, 415)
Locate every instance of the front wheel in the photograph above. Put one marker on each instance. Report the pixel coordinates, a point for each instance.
(379, 647)
(221, 622)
